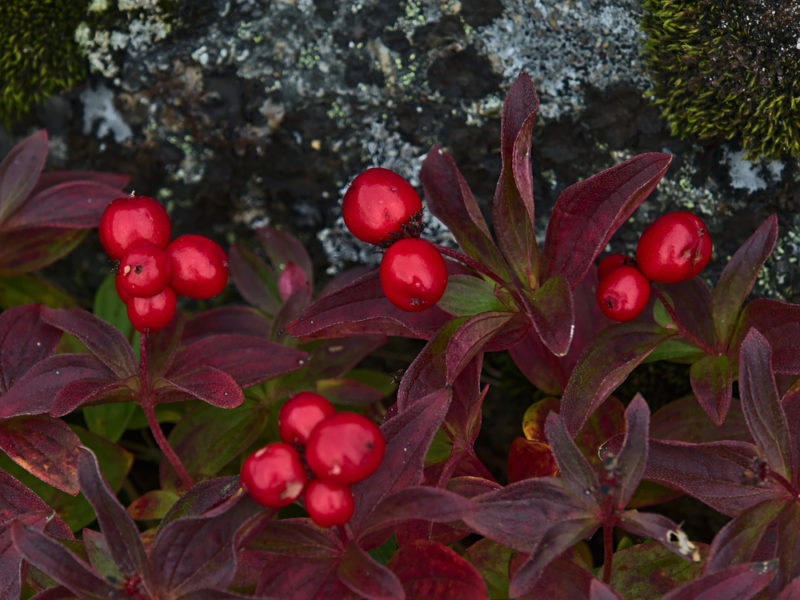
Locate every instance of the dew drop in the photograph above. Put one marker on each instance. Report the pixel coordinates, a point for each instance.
(58, 372)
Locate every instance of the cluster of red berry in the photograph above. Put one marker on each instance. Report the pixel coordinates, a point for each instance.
(340, 449)
(380, 207)
(136, 230)
(675, 247)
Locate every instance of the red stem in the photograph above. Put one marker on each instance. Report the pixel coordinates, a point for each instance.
(608, 551)
(684, 333)
(461, 257)
(148, 405)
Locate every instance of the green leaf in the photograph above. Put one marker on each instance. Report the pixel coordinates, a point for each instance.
(109, 307)
(649, 571)
(31, 249)
(467, 295)
(152, 505)
(32, 289)
(109, 420)
(491, 560)
(385, 551)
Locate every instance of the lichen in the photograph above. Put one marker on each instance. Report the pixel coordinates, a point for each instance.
(724, 69)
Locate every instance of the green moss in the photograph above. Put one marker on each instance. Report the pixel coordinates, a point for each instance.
(38, 53)
(728, 68)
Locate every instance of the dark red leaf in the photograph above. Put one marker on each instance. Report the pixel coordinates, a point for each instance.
(562, 578)
(103, 340)
(632, 458)
(283, 248)
(553, 314)
(204, 499)
(84, 391)
(779, 322)
(431, 571)
(740, 582)
(711, 378)
(513, 210)
(51, 178)
(255, 280)
(248, 359)
(297, 538)
(738, 277)
(120, 531)
(472, 335)
(24, 340)
(287, 577)
(366, 577)
(605, 364)
(59, 563)
(242, 320)
(31, 249)
(19, 172)
(293, 280)
(602, 591)
(333, 358)
(361, 308)
(528, 458)
(683, 419)
(663, 530)
(588, 213)
(45, 447)
(576, 472)
(449, 198)
(761, 404)
(205, 383)
(691, 300)
(68, 205)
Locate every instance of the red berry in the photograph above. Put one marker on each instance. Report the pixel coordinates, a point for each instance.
(121, 291)
(611, 262)
(133, 219)
(379, 205)
(199, 266)
(328, 503)
(300, 414)
(675, 247)
(144, 269)
(413, 274)
(274, 475)
(152, 313)
(345, 447)
(623, 293)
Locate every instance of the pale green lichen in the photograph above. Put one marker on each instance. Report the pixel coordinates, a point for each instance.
(728, 69)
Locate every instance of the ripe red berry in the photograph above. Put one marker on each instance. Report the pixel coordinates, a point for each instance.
(199, 266)
(144, 269)
(152, 313)
(274, 475)
(328, 503)
(133, 219)
(300, 414)
(345, 447)
(623, 293)
(611, 262)
(675, 247)
(379, 205)
(413, 274)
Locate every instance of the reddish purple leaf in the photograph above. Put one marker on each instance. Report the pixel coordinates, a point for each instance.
(649, 570)
(297, 538)
(683, 419)
(472, 335)
(528, 458)
(205, 383)
(121, 533)
(740, 582)
(31, 249)
(204, 499)
(691, 300)
(19, 172)
(432, 571)
(519, 514)
(738, 277)
(287, 577)
(59, 563)
(256, 281)
(632, 458)
(337, 356)
(605, 364)
(513, 209)
(366, 577)
(348, 392)
(553, 314)
(24, 340)
(663, 530)
(713, 472)
(602, 591)
(84, 391)
(292, 280)
(562, 578)
(69, 205)
(361, 307)
(51, 178)
(588, 213)
(788, 553)
(779, 322)
(241, 320)
(45, 447)
(248, 359)
(761, 404)
(558, 538)
(711, 378)
(103, 340)
(576, 472)
(449, 198)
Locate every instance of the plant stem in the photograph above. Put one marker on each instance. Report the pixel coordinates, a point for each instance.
(461, 257)
(149, 408)
(608, 551)
(684, 333)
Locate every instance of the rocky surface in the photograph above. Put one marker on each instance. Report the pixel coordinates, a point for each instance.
(251, 112)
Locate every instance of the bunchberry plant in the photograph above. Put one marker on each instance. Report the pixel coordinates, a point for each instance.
(282, 467)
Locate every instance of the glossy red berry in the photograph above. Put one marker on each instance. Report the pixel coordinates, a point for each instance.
(152, 313)
(300, 414)
(380, 205)
(144, 269)
(274, 475)
(611, 262)
(413, 274)
(133, 219)
(328, 503)
(623, 293)
(199, 266)
(345, 447)
(675, 247)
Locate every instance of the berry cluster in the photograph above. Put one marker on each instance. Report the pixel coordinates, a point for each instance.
(340, 449)
(382, 208)
(675, 247)
(152, 271)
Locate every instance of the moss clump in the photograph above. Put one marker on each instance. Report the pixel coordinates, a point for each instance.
(38, 53)
(727, 68)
